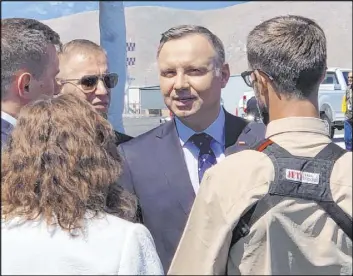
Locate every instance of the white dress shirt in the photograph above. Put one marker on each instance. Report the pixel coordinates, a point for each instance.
(191, 152)
(110, 246)
(8, 118)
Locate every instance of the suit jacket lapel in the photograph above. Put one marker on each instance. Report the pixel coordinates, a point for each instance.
(232, 129)
(172, 162)
(6, 127)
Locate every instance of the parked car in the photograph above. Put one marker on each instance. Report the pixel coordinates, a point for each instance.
(166, 119)
(331, 93)
(242, 105)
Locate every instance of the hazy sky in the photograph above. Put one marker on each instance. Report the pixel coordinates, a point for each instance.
(52, 9)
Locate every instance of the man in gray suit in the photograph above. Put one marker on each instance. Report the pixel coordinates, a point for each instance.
(164, 166)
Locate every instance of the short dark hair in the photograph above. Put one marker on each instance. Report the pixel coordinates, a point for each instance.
(185, 30)
(291, 49)
(23, 45)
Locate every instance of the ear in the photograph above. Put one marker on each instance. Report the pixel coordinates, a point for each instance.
(262, 84)
(225, 74)
(323, 77)
(23, 85)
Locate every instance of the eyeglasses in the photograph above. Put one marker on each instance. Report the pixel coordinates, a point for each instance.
(246, 75)
(89, 83)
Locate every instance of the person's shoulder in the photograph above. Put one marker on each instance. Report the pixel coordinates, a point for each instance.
(144, 138)
(121, 137)
(242, 167)
(126, 228)
(256, 128)
(237, 175)
(342, 170)
(233, 118)
(247, 158)
(114, 225)
(117, 221)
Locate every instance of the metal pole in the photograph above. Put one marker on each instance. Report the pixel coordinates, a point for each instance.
(113, 40)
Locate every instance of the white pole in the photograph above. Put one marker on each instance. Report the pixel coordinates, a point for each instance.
(113, 40)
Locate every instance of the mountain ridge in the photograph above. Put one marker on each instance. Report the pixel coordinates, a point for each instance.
(231, 24)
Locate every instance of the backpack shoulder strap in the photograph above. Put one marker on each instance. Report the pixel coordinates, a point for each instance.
(257, 210)
(340, 217)
(333, 152)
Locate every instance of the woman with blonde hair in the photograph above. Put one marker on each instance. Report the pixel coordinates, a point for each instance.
(56, 170)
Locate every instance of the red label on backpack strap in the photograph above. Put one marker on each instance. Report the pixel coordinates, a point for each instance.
(264, 145)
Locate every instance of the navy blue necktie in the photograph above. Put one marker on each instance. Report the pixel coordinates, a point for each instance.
(207, 157)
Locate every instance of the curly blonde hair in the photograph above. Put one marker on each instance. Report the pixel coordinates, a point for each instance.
(60, 162)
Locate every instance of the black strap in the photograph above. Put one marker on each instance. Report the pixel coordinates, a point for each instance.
(259, 209)
(331, 152)
(341, 218)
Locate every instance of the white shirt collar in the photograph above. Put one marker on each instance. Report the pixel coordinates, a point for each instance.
(8, 118)
(215, 130)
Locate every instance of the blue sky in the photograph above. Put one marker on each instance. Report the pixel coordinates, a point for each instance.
(52, 9)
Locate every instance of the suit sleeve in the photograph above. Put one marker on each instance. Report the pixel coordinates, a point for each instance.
(140, 256)
(204, 246)
(121, 138)
(125, 179)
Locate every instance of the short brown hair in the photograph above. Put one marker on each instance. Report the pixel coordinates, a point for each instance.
(23, 45)
(185, 30)
(80, 45)
(60, 162)
(292, 49)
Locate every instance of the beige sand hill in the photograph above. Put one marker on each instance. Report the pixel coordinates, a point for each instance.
(232, 24)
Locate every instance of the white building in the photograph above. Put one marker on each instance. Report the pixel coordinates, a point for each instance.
(144, 100)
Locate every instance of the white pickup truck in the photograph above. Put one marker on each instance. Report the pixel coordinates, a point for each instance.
(331, 93)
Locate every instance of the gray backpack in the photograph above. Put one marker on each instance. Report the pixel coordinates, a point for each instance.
(297, 177)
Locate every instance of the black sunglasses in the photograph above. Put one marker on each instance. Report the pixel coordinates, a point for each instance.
(246, 75)
(89, 83)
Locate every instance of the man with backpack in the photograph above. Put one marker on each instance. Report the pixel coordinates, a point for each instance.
(284, 206)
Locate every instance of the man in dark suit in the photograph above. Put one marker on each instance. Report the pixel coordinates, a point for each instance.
(248, 138)
(29, 64)
(84, 71)
(164, 166)
(251, 133)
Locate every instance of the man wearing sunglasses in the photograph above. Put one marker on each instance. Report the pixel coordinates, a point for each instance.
(285, 206)
(84, 71)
